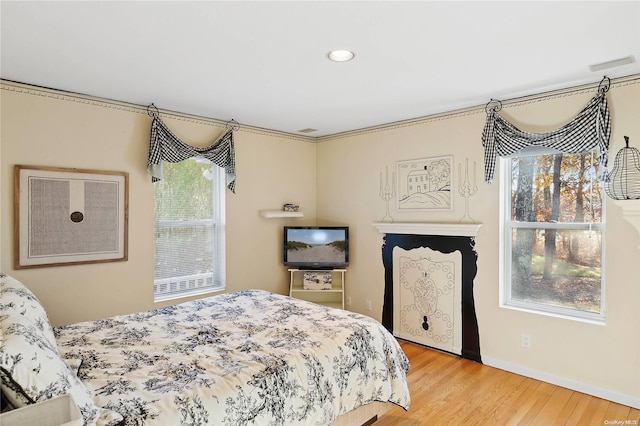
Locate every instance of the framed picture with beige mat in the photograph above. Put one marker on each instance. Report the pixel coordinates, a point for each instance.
(69, 216)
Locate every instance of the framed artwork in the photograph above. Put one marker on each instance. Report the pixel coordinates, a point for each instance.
(425, 184)
(69, 216)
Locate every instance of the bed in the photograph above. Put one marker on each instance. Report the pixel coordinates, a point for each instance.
(244, 358)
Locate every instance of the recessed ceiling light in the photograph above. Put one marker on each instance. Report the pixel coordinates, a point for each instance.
(341, 55)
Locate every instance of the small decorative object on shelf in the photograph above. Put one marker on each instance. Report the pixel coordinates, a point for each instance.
(623, 183)
(289, 207)
(467, 189)
(316, 280)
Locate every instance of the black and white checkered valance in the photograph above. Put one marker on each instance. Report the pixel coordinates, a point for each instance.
(591, 129)
(165, 146)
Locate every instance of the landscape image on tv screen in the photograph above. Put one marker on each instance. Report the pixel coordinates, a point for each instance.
(316, 246)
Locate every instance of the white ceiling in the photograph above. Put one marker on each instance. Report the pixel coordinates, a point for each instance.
(264, 63)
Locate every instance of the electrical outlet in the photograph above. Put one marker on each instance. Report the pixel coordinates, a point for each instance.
(348, 300)
(368, 305)
(526, 341)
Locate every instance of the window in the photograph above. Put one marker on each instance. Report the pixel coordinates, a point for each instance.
(189, 229)
(553, 217)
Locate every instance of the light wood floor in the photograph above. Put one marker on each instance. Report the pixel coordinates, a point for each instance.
(448, 390)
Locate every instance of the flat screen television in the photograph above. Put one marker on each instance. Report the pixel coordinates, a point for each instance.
(316, 247)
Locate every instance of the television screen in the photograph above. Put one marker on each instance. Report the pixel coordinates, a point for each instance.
(316, 247)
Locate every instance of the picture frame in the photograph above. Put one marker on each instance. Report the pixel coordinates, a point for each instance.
(425, 184)
(65, 216)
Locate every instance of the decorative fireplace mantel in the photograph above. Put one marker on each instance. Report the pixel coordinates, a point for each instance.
(456, 229)
(445, 238)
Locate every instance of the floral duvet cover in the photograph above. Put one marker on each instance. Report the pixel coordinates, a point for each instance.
(244, 358)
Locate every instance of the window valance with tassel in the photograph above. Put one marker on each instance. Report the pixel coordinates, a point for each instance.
(591, 129)
(165, 146)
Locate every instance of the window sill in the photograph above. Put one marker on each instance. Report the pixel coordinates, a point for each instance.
(549, 313)
(176, 296)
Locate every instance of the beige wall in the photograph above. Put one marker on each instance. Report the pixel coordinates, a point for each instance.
(336, 181)
(49, 128)
(606, 357)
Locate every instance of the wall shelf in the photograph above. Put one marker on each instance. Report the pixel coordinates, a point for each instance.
(270, 214)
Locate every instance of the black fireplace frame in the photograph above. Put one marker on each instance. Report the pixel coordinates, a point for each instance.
(444, 244)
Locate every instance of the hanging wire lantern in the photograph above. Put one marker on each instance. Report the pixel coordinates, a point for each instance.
(623, 183)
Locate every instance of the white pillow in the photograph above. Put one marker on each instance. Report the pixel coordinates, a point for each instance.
(31, 370)
(14, 294)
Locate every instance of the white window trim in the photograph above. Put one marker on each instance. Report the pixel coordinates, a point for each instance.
(505, 267)
(219, 219)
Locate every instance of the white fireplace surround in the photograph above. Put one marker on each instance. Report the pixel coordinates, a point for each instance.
(448, 229)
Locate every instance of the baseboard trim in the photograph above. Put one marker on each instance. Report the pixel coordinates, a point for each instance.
(610, 395)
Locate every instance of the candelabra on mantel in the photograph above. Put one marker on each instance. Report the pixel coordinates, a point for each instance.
(387, 192)
(466, 189)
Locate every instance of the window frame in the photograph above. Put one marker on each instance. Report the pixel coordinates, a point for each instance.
(507, 225)
(189, 287)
